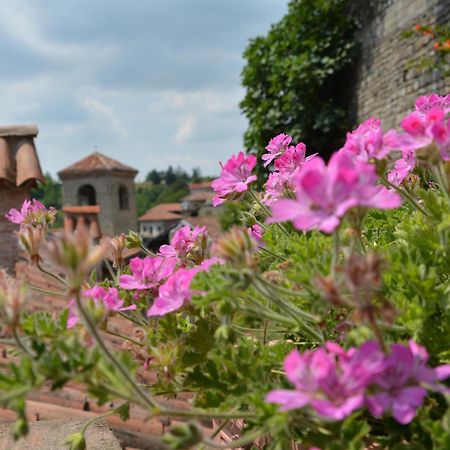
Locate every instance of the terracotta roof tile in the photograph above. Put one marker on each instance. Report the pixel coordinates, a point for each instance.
(19, 163)
(201, 185)
(210, 221)
(164, 211)
(96, 162)
(199, 196)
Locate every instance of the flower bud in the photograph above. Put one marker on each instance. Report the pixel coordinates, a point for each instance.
(117, 246)
(76, 255)
(133, 240)
(12, 297)
(30, 239)
(236, 247)
(76, 441)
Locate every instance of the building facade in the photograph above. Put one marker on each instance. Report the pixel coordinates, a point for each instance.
(104, 182)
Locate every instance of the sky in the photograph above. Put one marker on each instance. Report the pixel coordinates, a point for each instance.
(151, 83)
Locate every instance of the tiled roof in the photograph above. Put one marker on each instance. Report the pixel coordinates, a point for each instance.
(210, 221)
(199, 196)
(19, 163)
(96, 162)
(164, 211)
(201, 185)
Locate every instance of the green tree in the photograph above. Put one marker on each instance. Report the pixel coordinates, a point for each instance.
(170, 176)
(50, 193)
(297, 77)
(154, 177)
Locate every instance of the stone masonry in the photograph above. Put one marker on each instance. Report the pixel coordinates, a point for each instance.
(386, 83)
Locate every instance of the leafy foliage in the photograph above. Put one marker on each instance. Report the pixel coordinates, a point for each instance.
(296, 77)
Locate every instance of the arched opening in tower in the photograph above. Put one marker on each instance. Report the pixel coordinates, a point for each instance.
(123, 198)
(87, 195)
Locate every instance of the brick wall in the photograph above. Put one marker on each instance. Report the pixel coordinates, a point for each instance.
(9, 247)
(385, 84)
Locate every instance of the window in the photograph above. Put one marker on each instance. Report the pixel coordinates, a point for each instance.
(87, 195)
(123, 198)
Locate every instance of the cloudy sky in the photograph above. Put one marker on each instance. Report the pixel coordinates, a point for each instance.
(149, 82)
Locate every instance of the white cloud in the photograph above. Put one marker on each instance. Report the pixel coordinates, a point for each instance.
(105, 114)
(185, 130)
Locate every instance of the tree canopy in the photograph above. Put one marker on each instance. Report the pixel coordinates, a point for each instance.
(297, 77)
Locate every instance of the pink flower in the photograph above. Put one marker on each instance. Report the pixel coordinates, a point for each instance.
(28, 207)
(147, 273)
(441, 134)
(292, 160)
(176, 291)
(368, 141)
(72, 317)
(109, 297)
(276, 147)
(426, 103)
(256, 231)
(234, 177)
(418, 129)
(398, 387)
(324, 194)
(276, 186)
(402, 167)
(186, 242)
(331, 380)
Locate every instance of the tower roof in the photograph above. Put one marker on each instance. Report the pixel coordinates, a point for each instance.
(97, 162)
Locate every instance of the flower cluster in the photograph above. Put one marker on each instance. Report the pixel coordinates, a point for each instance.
(288, 161)
(335, 382)
(324, 193)
(108, 297)
(34, 220)
(187, 245)
(235, 177)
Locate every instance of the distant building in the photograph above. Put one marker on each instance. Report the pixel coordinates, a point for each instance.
(159, 220)
(159, 223)
(100, 181)
(19, 172)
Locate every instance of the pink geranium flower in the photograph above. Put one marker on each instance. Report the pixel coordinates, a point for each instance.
(109, 297)
(292, 160)
(426, 103)
(234, 177)
(276, 147)
(186, 242)
(147, 273)
(28, 207)
(256, 232)
(331, 380)
(276, 186)
(176, 291)
(368, 141)
(325, 193)
(441, 134)
(402, 167)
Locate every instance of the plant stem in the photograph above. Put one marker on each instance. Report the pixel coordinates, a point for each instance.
(441, 180)
(200, 414)
(126, 338)
(271, 253)
(99, 417)
(335, 255)
(146, 250)
(264, 208)
(244, 440)
(406, 195)
(150, 402)
(46, 291)
(131, 319)
(20, 344)
(52, 275)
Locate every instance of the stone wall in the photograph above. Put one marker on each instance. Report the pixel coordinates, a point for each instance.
(9, 247)
(385, 83)
(112, 219)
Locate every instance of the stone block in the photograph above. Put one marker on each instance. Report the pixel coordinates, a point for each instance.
(51, 434)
